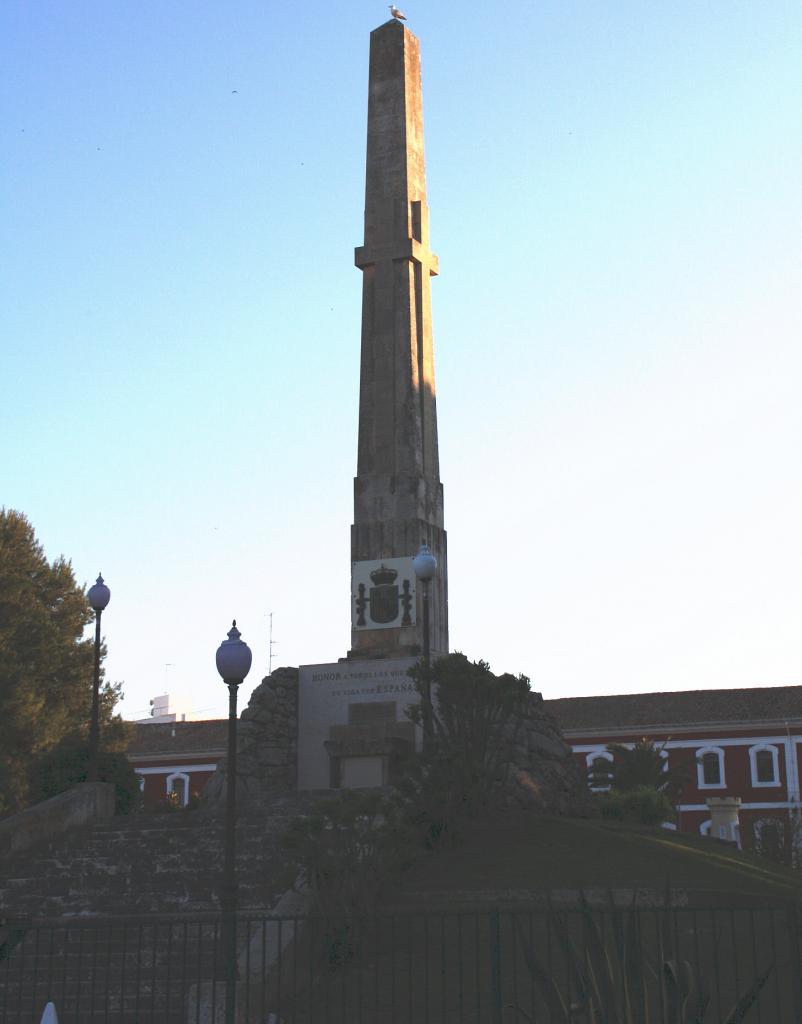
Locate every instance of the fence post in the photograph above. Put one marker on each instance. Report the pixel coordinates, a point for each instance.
(495, 966)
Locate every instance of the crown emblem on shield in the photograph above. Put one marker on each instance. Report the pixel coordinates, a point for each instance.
(383, 594)
(383, 577)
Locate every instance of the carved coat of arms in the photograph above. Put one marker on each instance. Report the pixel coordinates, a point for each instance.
(383, 594)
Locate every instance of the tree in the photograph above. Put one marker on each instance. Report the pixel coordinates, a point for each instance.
(67, 764)
(640, 766)
(46, 666)
(476, 719)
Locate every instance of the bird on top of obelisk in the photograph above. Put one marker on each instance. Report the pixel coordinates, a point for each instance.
(396, 13)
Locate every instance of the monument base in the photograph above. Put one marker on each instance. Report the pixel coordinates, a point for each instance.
(352, 726)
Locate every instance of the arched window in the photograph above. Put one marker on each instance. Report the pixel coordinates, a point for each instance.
(710, 768)
(178, 783)
(765, 765)
(599, 762)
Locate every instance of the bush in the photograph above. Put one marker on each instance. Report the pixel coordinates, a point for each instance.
(346, 850)
(644, 805)
(67, 764)
(476, 717)
(619, 974)
(641, 764)
(431, 800)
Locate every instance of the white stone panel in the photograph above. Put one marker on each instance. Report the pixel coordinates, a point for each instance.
(324, 693)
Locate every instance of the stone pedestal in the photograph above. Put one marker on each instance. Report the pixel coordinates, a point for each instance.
(351, 722)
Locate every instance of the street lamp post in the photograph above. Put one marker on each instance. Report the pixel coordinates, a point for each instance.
(98, 597)
(233, 663)
(425, 565)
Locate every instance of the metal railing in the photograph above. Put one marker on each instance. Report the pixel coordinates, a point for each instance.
(629, 965)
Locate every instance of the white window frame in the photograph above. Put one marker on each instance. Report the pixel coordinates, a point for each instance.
(775, 756)
(594, 755)
(168, 782)
(700, 768)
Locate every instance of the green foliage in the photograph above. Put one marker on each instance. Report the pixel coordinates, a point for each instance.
(346, 850)
(644, 805)
(66, 764)
(46, 665)
(640, 765)
(614, 977)
(431, 801)
(475, 722)
(349, 847)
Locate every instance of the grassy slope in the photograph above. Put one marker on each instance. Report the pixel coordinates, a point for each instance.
(527, 852)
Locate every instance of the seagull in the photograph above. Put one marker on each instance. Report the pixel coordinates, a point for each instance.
(396, 13)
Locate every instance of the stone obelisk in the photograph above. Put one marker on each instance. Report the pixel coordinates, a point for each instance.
(398, 497)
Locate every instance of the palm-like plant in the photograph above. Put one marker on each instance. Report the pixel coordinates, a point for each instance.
(642, 764)
(614, 978)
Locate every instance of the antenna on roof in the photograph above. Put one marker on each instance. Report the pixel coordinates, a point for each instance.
(271, 645)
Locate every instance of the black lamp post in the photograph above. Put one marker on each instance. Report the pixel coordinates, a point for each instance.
(98, 597)
(425, 565)
(233, 664)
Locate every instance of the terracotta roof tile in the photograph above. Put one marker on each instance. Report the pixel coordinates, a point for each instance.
(155, 738)
(683, 708)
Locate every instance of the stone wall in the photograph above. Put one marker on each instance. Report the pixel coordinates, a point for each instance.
(543, 774)
(49, 819)
(267, 744)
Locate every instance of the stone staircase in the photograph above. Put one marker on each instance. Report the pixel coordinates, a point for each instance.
(120, 921)
(148, 864)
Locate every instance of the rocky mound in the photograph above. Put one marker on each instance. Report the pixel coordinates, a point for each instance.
(267, 744)
(541, 775)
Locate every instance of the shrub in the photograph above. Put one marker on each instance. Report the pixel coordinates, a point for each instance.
(644, 805)
(615, 976)
(475, 722)
(346, 850)
(67, 764)
(641, 764)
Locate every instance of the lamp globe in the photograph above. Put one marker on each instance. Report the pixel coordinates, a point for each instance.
(98, 595)
(424, 563)
(233, 657)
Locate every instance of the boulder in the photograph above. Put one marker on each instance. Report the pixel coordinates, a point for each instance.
(267, 745)
(542, 774)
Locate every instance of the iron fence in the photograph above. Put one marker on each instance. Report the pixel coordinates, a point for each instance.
(637, 965)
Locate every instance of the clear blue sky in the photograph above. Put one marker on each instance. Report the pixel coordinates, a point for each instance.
(616, 203)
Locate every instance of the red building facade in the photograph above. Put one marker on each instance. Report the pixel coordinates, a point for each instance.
(728, 743)
(175, 760)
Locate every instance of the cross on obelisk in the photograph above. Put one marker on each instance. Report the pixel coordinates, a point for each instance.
(398, 497)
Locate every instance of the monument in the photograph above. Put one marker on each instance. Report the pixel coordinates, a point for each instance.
(352, 726)
(343, 724)
(398, 497)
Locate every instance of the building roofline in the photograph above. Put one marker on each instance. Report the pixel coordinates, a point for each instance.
(729, 726)
(204, 752)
